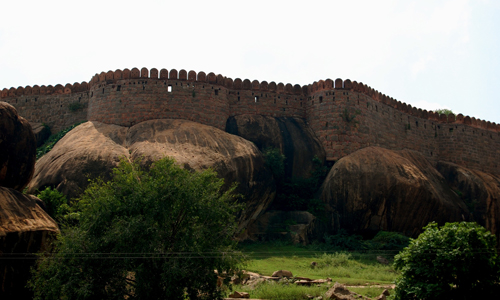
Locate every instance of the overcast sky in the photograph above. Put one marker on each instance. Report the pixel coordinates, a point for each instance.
(430, 54)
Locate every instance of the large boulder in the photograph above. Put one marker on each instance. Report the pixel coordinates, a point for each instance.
(25, 229)
(41, 132)
(376, 189)
(93, 149)
(17, 149)
(291, 135)
(480, 191)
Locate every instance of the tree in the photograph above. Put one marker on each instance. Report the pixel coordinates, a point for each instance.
(456, 261)
(144, 235)
(443, 111)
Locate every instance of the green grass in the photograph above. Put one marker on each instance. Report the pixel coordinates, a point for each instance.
(278, 291)
(347, 268)
(370, 292)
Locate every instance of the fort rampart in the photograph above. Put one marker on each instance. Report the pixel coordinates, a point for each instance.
(345, 115)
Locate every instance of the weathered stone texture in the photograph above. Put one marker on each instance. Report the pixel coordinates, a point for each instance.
(17, 149)
(346, 116)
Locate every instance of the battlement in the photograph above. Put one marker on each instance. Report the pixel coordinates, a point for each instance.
(238, 84)
(345, 115)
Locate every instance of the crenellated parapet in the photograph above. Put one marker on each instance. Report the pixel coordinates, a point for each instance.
(345, 115)
(245, 85)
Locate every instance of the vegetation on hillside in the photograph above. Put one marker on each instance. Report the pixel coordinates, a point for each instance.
(156, 234)
(52, 140)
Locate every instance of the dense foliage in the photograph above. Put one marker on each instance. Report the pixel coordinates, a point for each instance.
(388, 242)
(56, 204)
(456, 261)
(442, 111)
(295, 193)
(157, 234)
(52, 140)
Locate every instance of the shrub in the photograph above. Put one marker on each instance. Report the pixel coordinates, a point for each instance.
(56, 204)
(456, 261)
(346, 242)
(52, 140)
(73, 107)
(144, 235)
(444, 111)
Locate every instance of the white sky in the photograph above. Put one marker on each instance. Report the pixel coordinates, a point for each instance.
(430, 54)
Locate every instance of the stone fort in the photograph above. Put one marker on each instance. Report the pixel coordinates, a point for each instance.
(345, 115)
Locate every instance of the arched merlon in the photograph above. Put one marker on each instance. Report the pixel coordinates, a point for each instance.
(238, 84)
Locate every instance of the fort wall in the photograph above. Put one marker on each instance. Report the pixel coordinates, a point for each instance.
(346, 116)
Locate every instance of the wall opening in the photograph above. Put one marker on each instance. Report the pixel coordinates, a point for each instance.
(216, 92)
(169, 89)
(256, 99)
(320, 99)
(118, 88)
(238, 98)
(103, 90)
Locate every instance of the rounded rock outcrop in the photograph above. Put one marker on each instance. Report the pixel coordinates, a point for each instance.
(479, 190)
(93, 149)
(377, 189)
(291, 135)
(17, 149)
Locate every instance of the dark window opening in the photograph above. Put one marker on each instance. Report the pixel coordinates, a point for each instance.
(416, 123)
(216, 92)
(451, 129)
(238, 98)
(376, 109)
(143, 87)
(92, 94)
(431, 153)
(118, 88)
(103, 90)
(256, 99)
(320, 99)
(35, 99)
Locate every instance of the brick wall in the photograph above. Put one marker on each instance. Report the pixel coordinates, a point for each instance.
(346, 116)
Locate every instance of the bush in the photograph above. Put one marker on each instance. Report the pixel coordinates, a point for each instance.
(456, 261)
(52, 140)
(144, 235)
(56, 204)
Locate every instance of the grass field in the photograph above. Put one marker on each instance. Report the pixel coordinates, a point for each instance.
(350, 268)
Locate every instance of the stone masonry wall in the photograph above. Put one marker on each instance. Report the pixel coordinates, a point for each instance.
(58, 107)
(346, 116)
(346, 120)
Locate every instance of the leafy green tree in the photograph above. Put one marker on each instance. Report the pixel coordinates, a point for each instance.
(456, 261)
(443, 111)
(56, 204)
(156, 234)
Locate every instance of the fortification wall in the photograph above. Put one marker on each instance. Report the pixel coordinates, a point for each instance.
(348, 118)
(131, 96)
(345, 115)
(57, 106)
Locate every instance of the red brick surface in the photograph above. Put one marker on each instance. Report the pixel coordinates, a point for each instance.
(345, 115)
